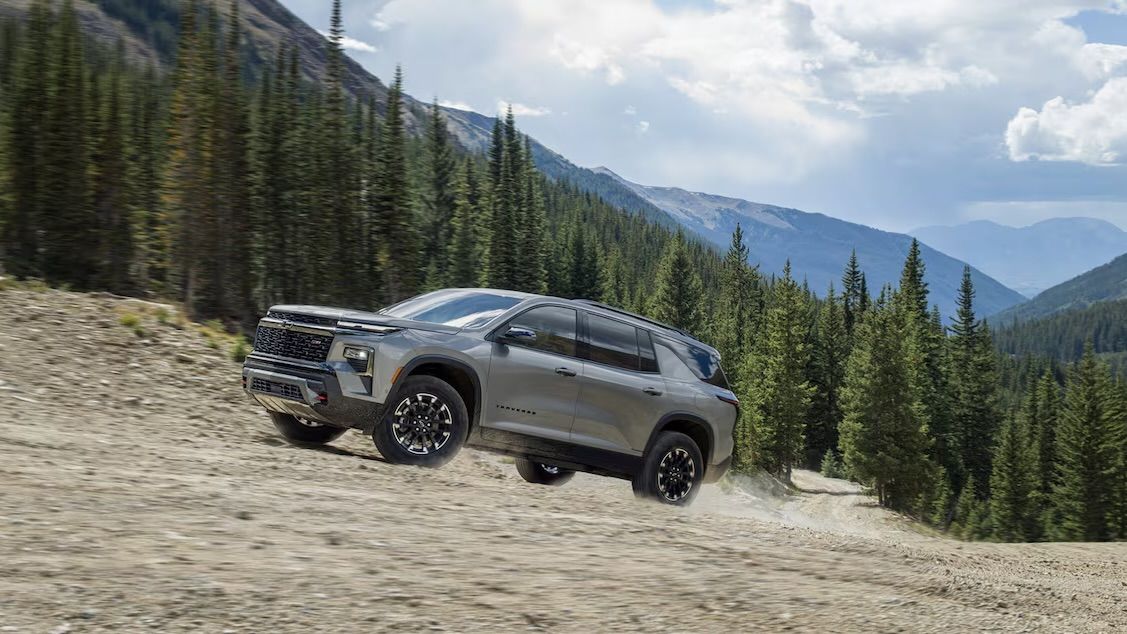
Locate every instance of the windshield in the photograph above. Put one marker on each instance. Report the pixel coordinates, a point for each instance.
(460, 308)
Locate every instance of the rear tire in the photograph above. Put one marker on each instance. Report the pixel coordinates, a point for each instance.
(672, 470)
(304, 432)
(540, 473)
(425, 424)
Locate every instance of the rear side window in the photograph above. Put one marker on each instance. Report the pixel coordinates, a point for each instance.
(613, 343)
(646, 351)
(701, 363)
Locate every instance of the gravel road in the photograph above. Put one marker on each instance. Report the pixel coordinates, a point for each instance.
(140, 490)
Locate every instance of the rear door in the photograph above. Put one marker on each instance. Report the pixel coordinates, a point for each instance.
(534, 382)
(622, 394)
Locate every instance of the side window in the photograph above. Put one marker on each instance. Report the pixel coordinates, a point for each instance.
(646, 350)
(554, 327)
(701, 363)
(671, 365)
(613, 342)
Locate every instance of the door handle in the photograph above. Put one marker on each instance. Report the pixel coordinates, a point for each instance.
(652, 391)
(565, 372)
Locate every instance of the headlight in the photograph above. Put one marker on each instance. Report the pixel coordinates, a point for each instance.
(357, 358)
(356, 354)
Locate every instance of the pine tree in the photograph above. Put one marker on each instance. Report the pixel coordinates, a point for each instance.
(1118, 421)
(883, 434)
(740, 304)
(852, 293)
(111, 204)
(677, 301)
(20, 230)
(1086, 454)
(830, 350)
(1042, 410)
(504, 253)
(67, 215)
(973, 379)
(393, 215)
(532, 273)
(235, 225)
(439, 194)
(963, 518)
(1013, 484)
(468, 252)
(776, 380)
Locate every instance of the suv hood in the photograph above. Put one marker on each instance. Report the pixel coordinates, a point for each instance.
(362, 317)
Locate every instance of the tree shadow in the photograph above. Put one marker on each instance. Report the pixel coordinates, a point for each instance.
(826, 492)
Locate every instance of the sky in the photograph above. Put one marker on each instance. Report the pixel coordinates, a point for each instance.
(895, 114)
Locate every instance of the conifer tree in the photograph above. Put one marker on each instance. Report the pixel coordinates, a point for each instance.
(973, 379)
(1013, 483)
(883, 434)
(532, 273)
(468, 253)
(776, 380)
(830, 350)
(1042, 410)
(67, 213)
(740, 305)
(393, 216)
(677, 300)
(111, 205)
(235, 224)
(851, 294)
(438, 194)
(1086, 454)
(20, 228)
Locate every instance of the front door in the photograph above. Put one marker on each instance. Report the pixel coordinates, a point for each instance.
(534, 377)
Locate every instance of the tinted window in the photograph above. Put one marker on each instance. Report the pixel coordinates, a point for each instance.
(613, 342)
(554, 327)
(461, 308)
(702, 363)
(646, 351)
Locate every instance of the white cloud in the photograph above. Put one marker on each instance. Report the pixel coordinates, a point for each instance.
(521, 110)
(630, 111)
(353, 44)
(1093, 132)
(587, 58)
(643, 127)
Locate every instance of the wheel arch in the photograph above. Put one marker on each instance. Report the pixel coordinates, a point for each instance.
(459, 374)
(692, 426)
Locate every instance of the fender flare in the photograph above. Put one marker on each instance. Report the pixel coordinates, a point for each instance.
(664, 422)
(440, 359)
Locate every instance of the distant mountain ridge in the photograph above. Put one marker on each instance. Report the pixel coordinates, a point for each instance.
(817, 245)
(1101, 284)
(1033, 258)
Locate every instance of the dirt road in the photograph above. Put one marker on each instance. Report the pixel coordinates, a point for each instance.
(141, 491)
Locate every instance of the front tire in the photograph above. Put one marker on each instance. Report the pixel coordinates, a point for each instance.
(672, 471)
(304, 432)
(425, 425)
(540, 473)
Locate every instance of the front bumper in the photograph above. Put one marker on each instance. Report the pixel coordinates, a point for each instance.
(307, 393)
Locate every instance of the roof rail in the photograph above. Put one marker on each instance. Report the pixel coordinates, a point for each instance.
(620, 311)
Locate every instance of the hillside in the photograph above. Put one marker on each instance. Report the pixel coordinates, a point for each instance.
(1101, 284)
(153, 495)
(1064, 335)
(1015, 256)
(818, 246)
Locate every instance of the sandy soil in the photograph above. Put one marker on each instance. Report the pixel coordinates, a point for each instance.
(140, 490)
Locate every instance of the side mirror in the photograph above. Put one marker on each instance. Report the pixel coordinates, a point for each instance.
(518, 334)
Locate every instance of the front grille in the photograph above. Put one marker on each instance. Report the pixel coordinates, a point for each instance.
(284, 390)
(292, 344)
(298, 318)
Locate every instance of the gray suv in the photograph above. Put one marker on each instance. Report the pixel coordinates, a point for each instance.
(561, 385)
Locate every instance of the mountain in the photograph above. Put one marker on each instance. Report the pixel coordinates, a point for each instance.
(817, 245)
(1064, 335)
(1101, 284)
(1016, 256)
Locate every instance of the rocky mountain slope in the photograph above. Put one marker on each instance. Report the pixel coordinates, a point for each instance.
(142, 491)
(818, 246)
(1034, 258)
